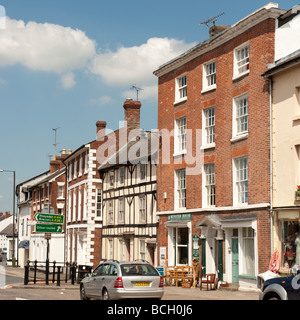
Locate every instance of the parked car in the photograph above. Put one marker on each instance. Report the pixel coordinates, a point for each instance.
(122, 280)
(282, 288)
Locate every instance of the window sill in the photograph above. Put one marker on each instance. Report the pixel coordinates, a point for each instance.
(210, 88)
(179, 154)
(240, 75)
(239, 137)
(208, 146)
(180, 101)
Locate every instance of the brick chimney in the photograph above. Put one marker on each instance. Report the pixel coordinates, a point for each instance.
(215, 29)
(132, 114)
(7, 214)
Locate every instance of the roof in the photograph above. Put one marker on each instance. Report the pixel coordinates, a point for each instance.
(141, 149)
(49, 177)
(283, 63)
(267, 11)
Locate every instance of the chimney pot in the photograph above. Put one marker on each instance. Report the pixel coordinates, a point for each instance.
(70, 151)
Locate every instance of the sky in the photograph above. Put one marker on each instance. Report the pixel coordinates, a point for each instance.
(67, 64)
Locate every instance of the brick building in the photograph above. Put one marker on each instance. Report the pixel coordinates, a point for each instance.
(214, 105)
(84, 203)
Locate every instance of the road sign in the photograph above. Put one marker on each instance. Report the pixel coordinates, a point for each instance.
(49, 218)
(48, 228)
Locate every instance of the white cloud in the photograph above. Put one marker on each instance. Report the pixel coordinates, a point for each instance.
(135, 65)
(68, 80)
(101, 100)
(45, 47)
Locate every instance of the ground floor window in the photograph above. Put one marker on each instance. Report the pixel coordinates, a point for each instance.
(290, 243)
(180, 245)
(248, 251)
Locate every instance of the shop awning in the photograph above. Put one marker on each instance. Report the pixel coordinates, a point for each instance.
(240, 221)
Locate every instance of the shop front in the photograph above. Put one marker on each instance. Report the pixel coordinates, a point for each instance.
(286, 238)
(179, 228)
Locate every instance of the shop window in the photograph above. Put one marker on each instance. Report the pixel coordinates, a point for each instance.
(248, 251)
(290, 243)
(180, 244)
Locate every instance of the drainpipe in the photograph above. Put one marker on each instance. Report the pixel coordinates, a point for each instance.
(271, 163)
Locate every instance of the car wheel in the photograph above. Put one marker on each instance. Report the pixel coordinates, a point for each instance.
(82, 293)
(105, 295)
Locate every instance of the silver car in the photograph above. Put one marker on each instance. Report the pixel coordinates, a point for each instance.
(122, 280)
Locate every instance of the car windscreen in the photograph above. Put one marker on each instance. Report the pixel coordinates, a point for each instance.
(138, 269)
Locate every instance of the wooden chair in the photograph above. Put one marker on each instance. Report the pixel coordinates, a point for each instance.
(209, 281)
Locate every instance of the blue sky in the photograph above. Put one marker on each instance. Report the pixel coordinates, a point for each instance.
(66, 64)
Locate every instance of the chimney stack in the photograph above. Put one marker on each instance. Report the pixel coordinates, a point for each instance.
(132, 114)
(215, 29)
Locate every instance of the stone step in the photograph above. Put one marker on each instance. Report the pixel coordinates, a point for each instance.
(225, 286)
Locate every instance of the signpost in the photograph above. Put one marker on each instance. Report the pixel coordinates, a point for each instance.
(196, 247)
(49, 218)
(48, 228)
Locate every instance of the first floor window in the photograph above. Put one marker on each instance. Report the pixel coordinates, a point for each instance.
(180, 135)
(209, 125)
(121, 210)
(143, 209)
(241, 114)
(99, 202)
(209, 170)
(180, 188)
(241, 183)
(110, 212)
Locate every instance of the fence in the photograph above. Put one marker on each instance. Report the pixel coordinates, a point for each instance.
(46, 271)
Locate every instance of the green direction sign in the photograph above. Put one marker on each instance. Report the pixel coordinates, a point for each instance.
(49, 218)
(196, 246)
(48, 228)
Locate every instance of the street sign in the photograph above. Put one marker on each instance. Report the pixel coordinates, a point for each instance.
(48, 228)
(49, 218)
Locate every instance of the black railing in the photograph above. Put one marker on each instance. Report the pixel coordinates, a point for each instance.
(42, 271)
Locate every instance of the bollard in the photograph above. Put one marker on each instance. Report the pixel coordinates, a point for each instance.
(26, 275)
(47, 271)
(53, 277)
(34, 271)
(58, 276)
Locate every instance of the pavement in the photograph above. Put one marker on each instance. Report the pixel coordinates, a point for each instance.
(171, 292)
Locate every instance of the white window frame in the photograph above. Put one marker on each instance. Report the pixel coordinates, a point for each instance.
(111, 177)
(85, 203)
(110, 249)
(86, 164)
(209, 185)
(121, 213)
(248, 234)
(99, 203)
(180, 136)
(143, 209)
(209, 76)
(181, 88)
(80, 167)
(79, 204)
(75, 169)
(110, 212)
(208, 125)
(240, 181)
(74, 205)
(239, 117)
(241, 60)
(180, 189)
(60, 191)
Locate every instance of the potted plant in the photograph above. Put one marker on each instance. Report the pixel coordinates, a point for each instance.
(297, 193)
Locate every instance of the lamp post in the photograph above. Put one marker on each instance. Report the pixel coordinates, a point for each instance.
(14, 202)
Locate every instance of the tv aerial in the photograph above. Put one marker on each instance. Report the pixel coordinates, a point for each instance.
(137, 89)
(212, 21)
